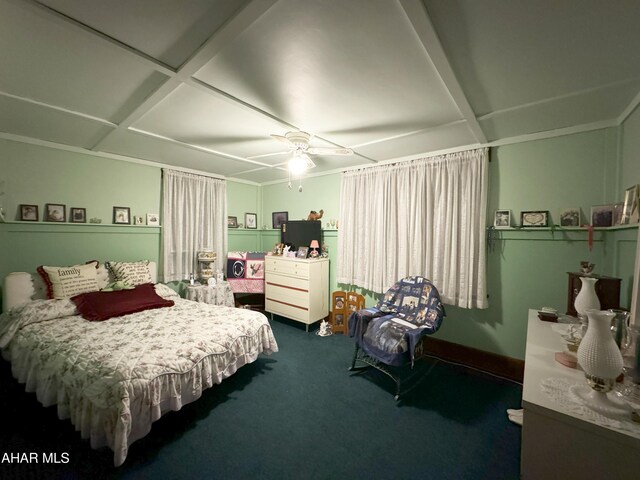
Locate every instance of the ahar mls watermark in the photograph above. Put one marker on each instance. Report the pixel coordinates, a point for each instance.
(34, 457)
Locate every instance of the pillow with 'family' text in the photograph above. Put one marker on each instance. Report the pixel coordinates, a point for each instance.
(65, 282)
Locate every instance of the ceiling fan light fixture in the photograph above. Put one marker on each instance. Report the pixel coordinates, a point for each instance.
(298, 164)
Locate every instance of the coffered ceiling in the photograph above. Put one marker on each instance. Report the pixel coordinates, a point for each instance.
(202, 84)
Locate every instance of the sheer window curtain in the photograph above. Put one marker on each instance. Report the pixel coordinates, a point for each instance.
(194, 212)
(423, 217)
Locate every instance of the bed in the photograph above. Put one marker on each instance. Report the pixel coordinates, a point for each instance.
(114, 378)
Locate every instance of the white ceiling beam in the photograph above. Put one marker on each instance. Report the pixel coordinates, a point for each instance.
(57, 108)
(421, 22)
(630, 108)
(61, 19)
(196, 147)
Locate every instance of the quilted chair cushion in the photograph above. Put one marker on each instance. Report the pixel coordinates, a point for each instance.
(391, 330)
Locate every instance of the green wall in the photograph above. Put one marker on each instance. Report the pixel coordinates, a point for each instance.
(525, 268)
(38, 175)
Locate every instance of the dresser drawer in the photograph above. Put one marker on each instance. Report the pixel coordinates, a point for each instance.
(290, 311)
(290, 295)
(287, 267)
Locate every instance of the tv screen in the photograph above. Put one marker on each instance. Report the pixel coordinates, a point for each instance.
(299, 233)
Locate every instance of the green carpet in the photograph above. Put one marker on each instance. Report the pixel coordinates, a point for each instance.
(298, 414)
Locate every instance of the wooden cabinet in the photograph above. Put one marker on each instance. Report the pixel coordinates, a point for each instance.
(297, 288)
(607, 289)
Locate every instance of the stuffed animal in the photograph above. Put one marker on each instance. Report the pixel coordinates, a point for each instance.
(313, 215)
(115, 286)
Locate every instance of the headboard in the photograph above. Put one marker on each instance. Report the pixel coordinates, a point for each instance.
(22, 287)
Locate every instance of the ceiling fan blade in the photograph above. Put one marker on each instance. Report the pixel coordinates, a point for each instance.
(284, 140)
(330, 151)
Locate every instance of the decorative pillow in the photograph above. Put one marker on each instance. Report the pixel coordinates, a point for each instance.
(133, 273)
(96, 306)
(65, 282)
(166, 291)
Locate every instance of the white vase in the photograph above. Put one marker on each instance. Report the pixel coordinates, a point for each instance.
(601, 360)
(587, 298)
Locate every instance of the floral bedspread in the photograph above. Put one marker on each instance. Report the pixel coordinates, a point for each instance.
(114, 378)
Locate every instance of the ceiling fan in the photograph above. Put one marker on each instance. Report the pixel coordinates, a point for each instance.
(298, 143)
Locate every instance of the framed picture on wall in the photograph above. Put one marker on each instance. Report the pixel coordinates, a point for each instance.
(631, 205)
(250, 220)
(153, 219)
(122, 215)
(602, 215)
(278, 218)
(55, 212)
(28, 213)
(534, 218)
(502, 219)
(78, 215)
(570, 217)
(232, 222)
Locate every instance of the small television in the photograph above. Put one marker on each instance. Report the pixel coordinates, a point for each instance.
(299, 233)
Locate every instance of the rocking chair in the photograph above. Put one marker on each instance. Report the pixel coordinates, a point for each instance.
(390, 334)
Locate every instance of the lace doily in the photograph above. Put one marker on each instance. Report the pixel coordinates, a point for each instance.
(560, 391)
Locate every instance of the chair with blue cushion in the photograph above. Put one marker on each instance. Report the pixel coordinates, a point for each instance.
(390, 334)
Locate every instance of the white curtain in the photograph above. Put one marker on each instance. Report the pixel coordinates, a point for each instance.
(194, 212)
(423, 217)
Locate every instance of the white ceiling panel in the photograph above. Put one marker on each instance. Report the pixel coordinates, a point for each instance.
(335, 66)
(263, 175)
(35, 121)
(441, 138)
(141, 146)
(55, 63)
(172, 29)
(590, 107)
(202, 84)
(195, 117)
(509, 53)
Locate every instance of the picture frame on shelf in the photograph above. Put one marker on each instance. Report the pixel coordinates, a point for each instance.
(570, 217)
(631, 205)
(602, 215)
(138, 220)
(355, 302)
(232, 222)
(153, 219)
(338, 318)
(302, 252)
(502, 219)
(251, 220)
(534, 218)
(78, 215)
(618, 210)
(55, 212)
(29, 213)
(121, 215)
(278, 218)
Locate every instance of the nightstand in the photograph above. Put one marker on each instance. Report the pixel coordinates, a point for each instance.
(218, 294)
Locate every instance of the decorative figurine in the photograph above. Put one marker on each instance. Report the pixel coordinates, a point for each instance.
(325, 329)
(313, 215)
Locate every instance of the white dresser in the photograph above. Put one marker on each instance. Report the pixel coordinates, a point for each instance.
(556, 441)
(297, 288)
